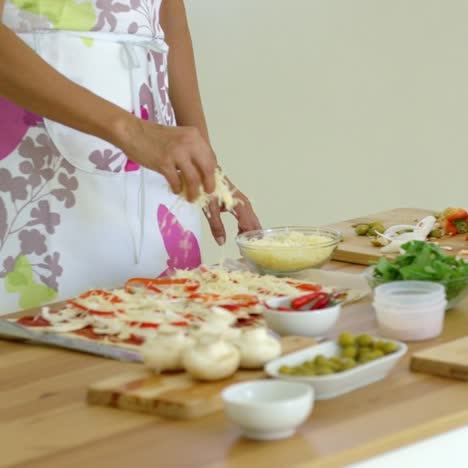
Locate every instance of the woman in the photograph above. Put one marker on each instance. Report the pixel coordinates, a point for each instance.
(91, 157)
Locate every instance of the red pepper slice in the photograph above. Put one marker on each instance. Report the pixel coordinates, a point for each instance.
(240, 301)
(108, 296)
(147, 283)
(179, 324)
(302, 301)
(305, 286)
(190, 284)
(322, 302)
(207, 297)
(104, 313)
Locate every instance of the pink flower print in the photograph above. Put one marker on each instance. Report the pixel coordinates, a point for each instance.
(181, 245)
(15, 123)
(132, 165)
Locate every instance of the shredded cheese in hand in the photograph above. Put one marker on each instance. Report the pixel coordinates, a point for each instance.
(223, 193)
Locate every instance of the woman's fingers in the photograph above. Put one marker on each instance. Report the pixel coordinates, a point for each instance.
(191, 177)
(213, 215)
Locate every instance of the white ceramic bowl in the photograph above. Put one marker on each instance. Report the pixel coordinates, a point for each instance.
(314, 323)
(333, 385)
(268, 409)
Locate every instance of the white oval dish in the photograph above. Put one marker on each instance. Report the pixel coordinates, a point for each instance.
(333, 385)
(268, 409)
(313, 323)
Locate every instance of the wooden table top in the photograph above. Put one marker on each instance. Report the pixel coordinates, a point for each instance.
(46, 423)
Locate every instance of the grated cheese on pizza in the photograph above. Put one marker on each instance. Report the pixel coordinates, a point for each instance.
(186, 300)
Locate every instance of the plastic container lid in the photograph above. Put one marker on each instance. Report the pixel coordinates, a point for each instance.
(409, 294)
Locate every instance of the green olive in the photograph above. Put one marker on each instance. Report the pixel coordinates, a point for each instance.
(320, 360)
(374, 228)
(437, 233)
(390, 347)
(375, 354)
(364, 340)
(324, 370)
(361, 229)
(349, 352)
(346, 339)
(349, 363)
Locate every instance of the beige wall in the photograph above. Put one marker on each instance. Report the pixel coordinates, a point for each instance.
(325, 109)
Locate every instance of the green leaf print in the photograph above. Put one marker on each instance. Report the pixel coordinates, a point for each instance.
(64, 14)
(21, 281)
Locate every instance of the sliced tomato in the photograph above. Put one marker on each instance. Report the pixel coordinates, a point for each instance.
(88, 332)
(108, 296)
(104, 313)
(138, 324)
(33, 321)
(179, 324)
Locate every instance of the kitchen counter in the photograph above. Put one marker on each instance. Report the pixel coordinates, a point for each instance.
(45, 421)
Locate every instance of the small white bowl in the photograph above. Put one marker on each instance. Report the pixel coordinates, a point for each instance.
(268, 409)
(333, 385)
(314, 323)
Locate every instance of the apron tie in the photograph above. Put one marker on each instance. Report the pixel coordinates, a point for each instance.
(132, 63)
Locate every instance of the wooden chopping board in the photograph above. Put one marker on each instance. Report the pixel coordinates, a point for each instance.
(359, 250)
(175, 395)
(446, 360)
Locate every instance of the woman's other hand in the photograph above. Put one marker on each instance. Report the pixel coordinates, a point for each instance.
(243, 211)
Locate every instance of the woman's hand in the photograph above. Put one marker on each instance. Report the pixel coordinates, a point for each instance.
(175, 152)
(244, 213)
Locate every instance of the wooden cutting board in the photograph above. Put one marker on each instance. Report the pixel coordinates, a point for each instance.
(359, 250)
(175, 396)
(446, 360)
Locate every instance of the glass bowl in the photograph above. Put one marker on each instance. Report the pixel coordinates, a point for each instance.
(455, 289)
(284, 250)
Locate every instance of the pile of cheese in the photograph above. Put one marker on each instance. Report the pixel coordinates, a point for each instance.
(289, 251)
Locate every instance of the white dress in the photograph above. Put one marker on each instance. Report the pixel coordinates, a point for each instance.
(75, 213)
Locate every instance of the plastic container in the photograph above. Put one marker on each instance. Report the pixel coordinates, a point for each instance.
(410, 310)
(334, 385)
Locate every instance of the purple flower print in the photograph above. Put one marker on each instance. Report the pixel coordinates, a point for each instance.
(8, 266)
(51, 263)
(15, 186)
(65, 194)
(109, 8)
(43, 215)
(104, 159)
(32, 241)
(135, 4)
(67, 166)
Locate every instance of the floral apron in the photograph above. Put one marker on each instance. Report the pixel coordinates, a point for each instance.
(75, 213)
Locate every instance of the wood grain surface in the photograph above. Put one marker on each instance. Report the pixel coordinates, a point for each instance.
(359, 250)
(176, 395)
(45, 421)
(447, 360)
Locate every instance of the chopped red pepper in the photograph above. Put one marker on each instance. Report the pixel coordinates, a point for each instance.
(451, 215)
(301, 301)
(179, 324)
(205, 296)
(108, 313)
(108, 296)
(305, 286)
(141, 282)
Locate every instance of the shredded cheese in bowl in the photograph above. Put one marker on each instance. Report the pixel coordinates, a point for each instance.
(285, 250)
